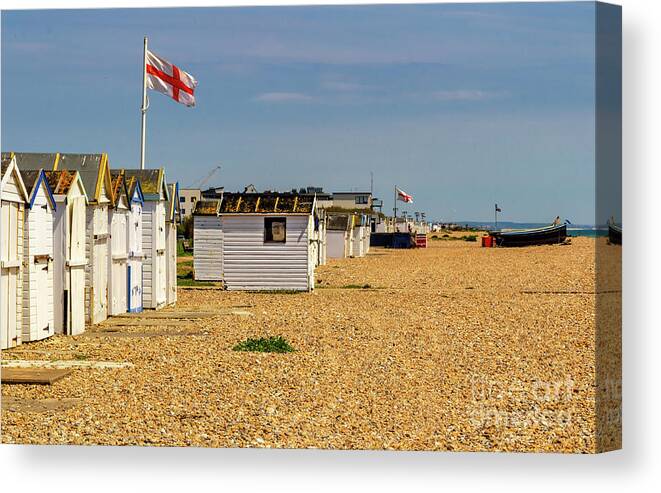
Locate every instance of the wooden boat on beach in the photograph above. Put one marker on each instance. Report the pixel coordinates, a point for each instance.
(614, 234)
(548, 235)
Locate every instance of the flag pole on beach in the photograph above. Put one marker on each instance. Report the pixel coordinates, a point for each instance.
(165, 77)
(143, 109)
(495, 216)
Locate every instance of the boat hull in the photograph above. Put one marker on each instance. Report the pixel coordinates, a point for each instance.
(550, 235)
(614, 235)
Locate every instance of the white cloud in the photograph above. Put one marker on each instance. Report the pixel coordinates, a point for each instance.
(282, 97)
(342, 86)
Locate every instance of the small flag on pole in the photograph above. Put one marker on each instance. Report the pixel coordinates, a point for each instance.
(498, 209)
(404, 197)
(163, 76)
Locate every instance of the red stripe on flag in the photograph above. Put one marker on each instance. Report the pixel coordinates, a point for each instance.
(174, 81)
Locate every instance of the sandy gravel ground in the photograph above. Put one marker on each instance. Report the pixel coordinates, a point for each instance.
(453, 347)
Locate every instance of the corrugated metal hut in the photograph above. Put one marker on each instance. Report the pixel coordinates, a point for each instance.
(266, 240)
(173, 218)
(135, 253)
(118, 219)
(154, 266)
(69, 260)
(207, 241)
(94, 171)
(38, 320)
(13, 198)
(338, 235)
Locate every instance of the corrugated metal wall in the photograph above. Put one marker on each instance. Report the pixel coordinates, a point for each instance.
(249, 263)
(208, 248)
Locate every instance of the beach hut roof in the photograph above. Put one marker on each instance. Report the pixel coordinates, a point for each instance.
(34, 179)
(34, 160)
(7, 168)
(63, 180)
(266, 203)
(94, 172)
(152, 182)
(118, 186)
(209, 207)
(173, 210)
(134, 188)
(338, 222)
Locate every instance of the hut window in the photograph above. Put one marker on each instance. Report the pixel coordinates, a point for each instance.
(362, 199)
(275, 229)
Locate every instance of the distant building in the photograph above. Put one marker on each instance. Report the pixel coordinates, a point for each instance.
(188, 197)
(213, 193)
(352, 200)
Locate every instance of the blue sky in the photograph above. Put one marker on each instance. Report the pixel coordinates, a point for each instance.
(460, 105)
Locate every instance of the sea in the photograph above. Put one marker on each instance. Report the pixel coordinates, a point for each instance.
(572, 229)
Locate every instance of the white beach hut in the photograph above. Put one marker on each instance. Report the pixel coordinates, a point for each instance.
(118, 220)
(338, 235)
(13, 198)
(94, 171)
(69, 260)
(135, 254)
(266, 240)
(38, 322)
(154, 266)
(173, 218)
(207, 241)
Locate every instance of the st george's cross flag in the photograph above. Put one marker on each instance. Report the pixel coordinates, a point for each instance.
(162, 76)
(404, 197)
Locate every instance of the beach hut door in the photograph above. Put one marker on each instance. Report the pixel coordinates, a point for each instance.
(9, 273)
(43, 308)
(77, 261)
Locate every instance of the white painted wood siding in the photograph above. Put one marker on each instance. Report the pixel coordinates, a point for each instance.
(38, 314)
(11, 270)
(118, 260)
(251, 264)
(208, 248)
(153, 244)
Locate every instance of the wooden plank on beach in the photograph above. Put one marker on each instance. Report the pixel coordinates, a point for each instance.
(164, 314)
(32, 376)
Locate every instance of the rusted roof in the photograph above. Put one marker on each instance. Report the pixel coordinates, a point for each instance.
(151, 181)
(60, 181)
(118, 185)
(266, 203)
(207, 207)
(30, 178)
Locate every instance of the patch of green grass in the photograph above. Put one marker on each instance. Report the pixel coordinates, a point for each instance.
(80, 357)
(265, 345)
(469, 238)
(356, 286)
(189, 281)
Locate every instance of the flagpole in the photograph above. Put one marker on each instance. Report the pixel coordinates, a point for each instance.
(495, 217)
(143, 109)
(395, 209)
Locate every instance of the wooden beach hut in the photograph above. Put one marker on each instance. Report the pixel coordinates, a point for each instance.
(207, 241)
(94, 171)
(154, 267)
(38, 321)
(118, 220)
(172, 219)
(69, 257)
(135, 253)
(13, 197)
(338, 235)
(265, 240)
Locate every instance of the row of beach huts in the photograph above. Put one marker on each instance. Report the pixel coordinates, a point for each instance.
(80, 242)
(272, 240)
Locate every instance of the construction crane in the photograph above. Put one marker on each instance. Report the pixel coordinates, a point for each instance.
(204, 180)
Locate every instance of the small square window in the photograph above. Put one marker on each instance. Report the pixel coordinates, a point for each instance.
(275, 230)
(362, 199)
(182, 199)
(193, 199)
